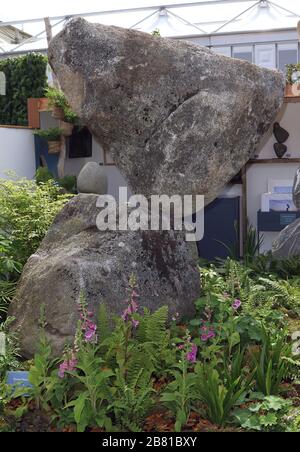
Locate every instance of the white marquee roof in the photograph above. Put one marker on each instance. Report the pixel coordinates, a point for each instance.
(202, 18)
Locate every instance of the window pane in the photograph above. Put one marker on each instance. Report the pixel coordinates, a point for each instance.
(222, 51)
(243, 53)
(286, 57)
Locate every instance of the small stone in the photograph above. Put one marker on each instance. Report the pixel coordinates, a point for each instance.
(280, 133)
(280, 150)
(92, 179)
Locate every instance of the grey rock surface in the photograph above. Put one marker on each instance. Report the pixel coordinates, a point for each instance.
(288, 242)
(177, 118)
(92, 179)
(296, 189)
(75, 256)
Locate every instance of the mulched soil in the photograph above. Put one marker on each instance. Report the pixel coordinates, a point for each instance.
(35, 420)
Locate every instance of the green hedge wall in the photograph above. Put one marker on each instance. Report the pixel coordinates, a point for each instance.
(25, 77)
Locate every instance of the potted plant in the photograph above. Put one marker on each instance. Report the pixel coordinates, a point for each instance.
(70, 119)
(52, 136)
(57, 102)
(293, 80)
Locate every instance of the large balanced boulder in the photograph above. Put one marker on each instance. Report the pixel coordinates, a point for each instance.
(75, 257)
(177, 118)
(288, 242)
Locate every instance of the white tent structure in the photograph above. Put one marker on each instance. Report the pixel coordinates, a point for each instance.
(260, 31)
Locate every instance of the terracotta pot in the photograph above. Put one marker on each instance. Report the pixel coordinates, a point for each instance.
(54, 147)
(43, 104)
(67, 128)
(292, 90)
(58, 113)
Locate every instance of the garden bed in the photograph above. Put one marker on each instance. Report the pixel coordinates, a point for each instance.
(234, 367)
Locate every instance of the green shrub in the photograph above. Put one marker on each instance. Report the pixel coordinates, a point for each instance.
(26, 213)
(56, 98)
(43, 175)
(25, 78)
(70, 116)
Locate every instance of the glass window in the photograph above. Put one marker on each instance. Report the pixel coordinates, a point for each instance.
(287, 54)
(243, 53)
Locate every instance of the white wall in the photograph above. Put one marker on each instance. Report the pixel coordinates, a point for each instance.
(259, 174)
(17, 152)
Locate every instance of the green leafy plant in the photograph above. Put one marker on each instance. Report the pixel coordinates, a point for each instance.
(132, 398)
(268, 415)
(56, 98)
(180, 393)
(53, 134)
(27, 211)
(137, 348)
(221, 389)
(70, 116)
(43, 175)
(92, 390)
(69, 183)
(268, 294)
(252, 244)
(271, 362)
(9, 272)
(42, 364)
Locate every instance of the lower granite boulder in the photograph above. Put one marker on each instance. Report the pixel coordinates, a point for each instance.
(75, 257)
(288, 242)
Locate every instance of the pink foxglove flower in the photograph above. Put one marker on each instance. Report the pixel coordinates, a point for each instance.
(236, 305)
(132, 307)
(192, 355)
(67, 366)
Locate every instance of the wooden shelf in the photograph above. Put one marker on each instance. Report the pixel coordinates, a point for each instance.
(292, 100)
(275, 160)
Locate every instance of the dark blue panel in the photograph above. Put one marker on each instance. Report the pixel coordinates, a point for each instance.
(222, 224)
(275, 221)
(41, 148)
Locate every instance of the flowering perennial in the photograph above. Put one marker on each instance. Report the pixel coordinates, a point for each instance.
(133, 306)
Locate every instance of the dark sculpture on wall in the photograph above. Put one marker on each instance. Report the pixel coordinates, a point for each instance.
(281, 136)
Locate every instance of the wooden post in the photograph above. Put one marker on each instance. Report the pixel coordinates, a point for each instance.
(48, 29)
(33, 113)
(49, 35)
(63, 151)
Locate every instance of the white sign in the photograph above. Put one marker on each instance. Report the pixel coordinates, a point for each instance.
(279, 202)
(2, 84)
(2, 344)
